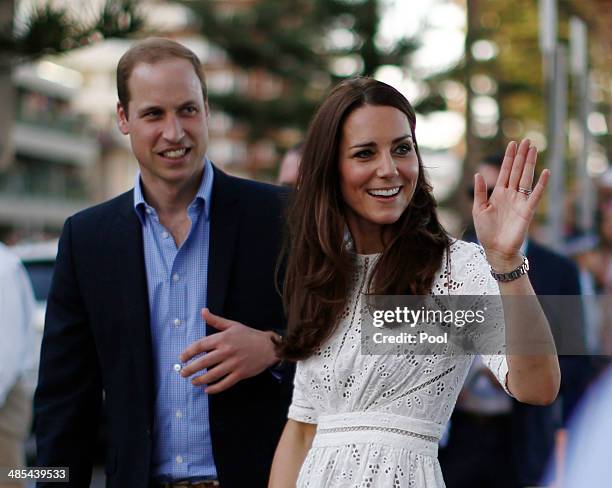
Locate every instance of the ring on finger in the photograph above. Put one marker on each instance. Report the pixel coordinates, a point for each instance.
(524, 191)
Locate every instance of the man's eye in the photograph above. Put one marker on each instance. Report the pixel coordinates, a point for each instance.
(190, 110)
(404, 148)
(152, 113)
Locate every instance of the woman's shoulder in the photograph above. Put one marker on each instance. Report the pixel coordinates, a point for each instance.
(459, 249)
(464, 270)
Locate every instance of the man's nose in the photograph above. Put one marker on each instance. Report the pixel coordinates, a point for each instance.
(173, 130)
(387, 167)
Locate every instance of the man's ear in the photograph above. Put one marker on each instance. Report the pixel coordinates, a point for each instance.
(206, 109)
(122, 119)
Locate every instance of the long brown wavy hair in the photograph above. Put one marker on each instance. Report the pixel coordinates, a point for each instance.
(319, 265)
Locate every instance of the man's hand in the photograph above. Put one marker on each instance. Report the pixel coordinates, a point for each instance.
(235, 353)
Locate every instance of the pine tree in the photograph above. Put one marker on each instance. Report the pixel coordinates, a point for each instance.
(300, 44)
(51, 29)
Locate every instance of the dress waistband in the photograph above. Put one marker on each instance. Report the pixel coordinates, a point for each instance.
(417, 435)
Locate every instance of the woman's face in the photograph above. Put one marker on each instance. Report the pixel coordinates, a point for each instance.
(378, 171)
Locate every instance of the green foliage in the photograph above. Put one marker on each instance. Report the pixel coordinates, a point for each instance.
(517, 68)
(52, 30)
(295, 43)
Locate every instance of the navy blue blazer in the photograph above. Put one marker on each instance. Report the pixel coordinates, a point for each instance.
(96, 355)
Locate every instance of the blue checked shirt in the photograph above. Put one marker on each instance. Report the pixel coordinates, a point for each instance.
(177, 282)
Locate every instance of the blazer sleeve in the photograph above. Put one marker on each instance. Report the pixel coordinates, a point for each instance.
(69, 394)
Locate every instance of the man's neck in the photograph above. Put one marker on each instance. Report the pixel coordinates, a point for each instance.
(169, 199)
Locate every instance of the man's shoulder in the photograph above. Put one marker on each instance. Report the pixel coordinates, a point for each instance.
(252, 189)
(548, 257)
(256, 197)
(109, 208)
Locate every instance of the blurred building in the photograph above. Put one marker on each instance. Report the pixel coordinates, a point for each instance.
(53, 150)
(67, 152)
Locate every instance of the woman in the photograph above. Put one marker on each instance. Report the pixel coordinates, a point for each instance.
(362, 222)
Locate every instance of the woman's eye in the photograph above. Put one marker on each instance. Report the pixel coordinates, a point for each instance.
(404, 148)
(366, 153)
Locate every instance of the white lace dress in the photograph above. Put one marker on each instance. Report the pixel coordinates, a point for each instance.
(379, 418)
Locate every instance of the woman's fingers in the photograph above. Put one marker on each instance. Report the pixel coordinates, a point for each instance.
(538, 191)
(480, 193)
(518, 164)
(506, 167)
(526, 180)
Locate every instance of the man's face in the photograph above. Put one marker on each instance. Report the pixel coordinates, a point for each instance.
(167, 121)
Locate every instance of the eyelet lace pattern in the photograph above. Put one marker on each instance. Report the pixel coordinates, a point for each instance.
(380, 417)
(390, 430)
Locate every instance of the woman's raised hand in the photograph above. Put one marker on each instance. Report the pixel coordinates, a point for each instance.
(502, 221)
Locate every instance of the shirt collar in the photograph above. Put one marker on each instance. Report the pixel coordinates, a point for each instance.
(203, 194)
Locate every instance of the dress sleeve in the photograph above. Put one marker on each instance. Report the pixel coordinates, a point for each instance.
(301, 408)
(491, 343)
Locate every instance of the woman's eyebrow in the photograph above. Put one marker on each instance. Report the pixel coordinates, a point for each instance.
(371, 143)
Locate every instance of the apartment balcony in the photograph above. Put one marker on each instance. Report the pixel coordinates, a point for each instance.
(31, 211)
(60, 141)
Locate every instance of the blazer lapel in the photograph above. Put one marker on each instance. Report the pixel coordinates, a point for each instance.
(128, 249)
(224, 223)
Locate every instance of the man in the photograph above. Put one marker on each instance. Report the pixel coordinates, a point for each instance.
(493, 440)
(16, 310)
(124, 317)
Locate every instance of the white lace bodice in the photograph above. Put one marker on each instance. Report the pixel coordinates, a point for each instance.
(387, 411)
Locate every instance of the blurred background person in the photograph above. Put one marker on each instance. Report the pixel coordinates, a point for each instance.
(16, 312)
(582, 249)
(588, 459)
(601, 262)
(495, 440)
(604, 277)
(288, 171)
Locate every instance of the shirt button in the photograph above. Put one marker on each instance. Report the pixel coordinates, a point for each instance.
(177, 367)
(177, 322)
(175, 277)
(179, 414)
(179, 459)
(149, 211)
(165, 235)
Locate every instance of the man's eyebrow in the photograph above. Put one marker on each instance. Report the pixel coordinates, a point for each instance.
(187, 103)
(147, 108)
(372, 143)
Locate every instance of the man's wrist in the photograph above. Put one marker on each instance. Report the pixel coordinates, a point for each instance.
(276, 340)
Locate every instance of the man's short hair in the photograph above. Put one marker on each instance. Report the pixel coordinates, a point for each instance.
(151, 51)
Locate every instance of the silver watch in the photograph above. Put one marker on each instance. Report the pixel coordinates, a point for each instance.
(514, 274)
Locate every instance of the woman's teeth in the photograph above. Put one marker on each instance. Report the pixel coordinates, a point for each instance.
(387, 192)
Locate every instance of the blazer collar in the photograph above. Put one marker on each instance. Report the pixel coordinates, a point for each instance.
(126, 245)
(224, 225)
